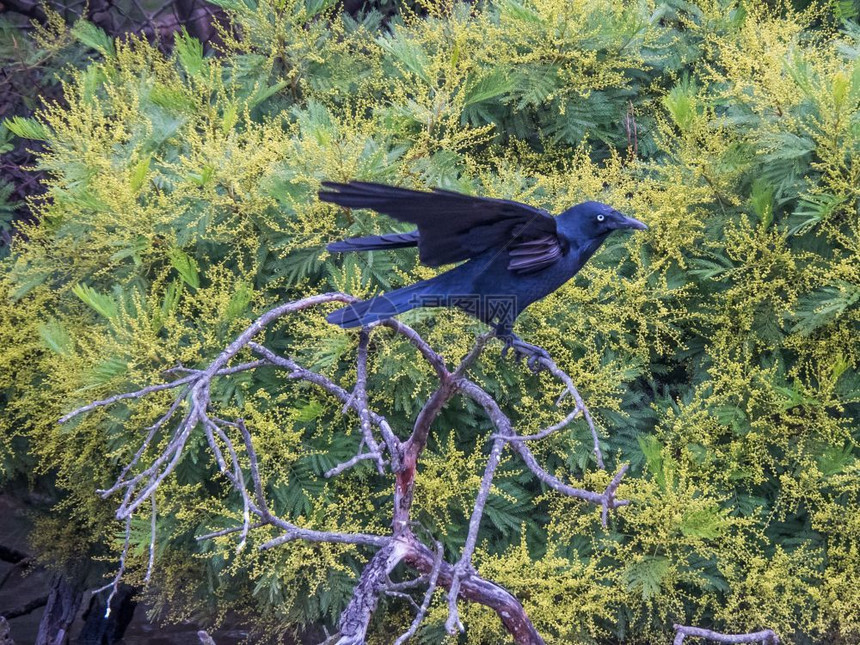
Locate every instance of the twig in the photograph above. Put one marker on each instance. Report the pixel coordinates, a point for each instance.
(17, 558)
(476, 589)
(26, 608)
(15, 567)
(9, 554)
(570, 388)
(255, 467)
(766, 636)
(605, 500)
(237, 478)
(299, 372)
(151, 562)
(194, 374)
(297, 533)
(453, 623)
(428, 596)
(360, 395)
(349, 463)
(407, 584)
(473, 355)
(205, 638)
(404, 596)
(543, 434)
(114, 585)
(127, 395)
(228, 531)
(435, 360)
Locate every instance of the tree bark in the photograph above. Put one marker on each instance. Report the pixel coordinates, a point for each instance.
(63, 604)
(5, 633)
(479, 590)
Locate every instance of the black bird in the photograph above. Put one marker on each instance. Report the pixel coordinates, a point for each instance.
(515, 254)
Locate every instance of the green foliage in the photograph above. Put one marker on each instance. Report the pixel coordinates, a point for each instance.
(93, 37)
(718, 351)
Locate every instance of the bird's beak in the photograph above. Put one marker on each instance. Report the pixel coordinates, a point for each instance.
(629, 222)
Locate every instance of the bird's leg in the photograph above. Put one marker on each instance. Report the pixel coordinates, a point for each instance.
(521, 348)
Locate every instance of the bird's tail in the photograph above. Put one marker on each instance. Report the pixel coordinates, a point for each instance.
(384, 306)
(375, 242)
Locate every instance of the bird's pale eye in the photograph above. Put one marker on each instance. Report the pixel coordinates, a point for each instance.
(601, 217)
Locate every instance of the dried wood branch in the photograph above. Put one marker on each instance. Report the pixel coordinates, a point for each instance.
(766, 636)
(205, 638)
(570, 388)
(360, 396)
(606, 500)
(151, 563)
(402, 545)
(114, 584)
(22, 610)
(428, 596)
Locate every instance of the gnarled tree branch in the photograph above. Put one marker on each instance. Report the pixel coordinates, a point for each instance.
(402, 545)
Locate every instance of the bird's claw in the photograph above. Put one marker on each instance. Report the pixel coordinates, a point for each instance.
(523, 350)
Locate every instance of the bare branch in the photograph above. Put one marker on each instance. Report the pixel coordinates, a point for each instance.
(766, 636)
(476, 589)
(473, 355)
(114, 585)
(12, 555)
(151, 562)
(349, 463)
(360, 396)
(22, 610)
(404, 596)
(356, 617)
(407, 584)
(570, 388)
(237, 477)
(255, 467)
(296, 533)
(270, 316)
(299, 372)
(428, 596)
(228, 531)
(205, 638)
(17, 566)
(453, 624)
(138, 394)
(435, 360)
(460, 579)
(606, 500)
(128, 395)
(543, 434)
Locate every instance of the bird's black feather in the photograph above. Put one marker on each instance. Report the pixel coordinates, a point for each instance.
(453, 227)
(375, 242)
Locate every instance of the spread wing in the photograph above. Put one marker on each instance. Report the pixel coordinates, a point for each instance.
(453, 227)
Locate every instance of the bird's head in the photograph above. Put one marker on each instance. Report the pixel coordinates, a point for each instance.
(597, 220)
